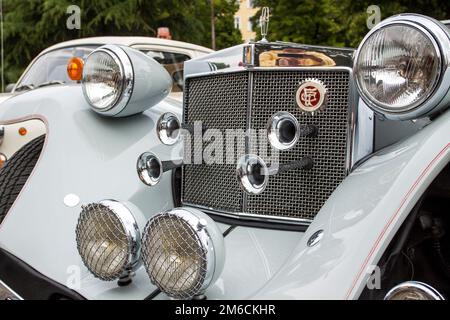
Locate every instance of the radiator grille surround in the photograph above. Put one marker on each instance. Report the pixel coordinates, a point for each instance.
(247, 100)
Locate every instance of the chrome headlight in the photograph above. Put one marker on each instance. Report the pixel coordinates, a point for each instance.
(108, 239)
(413, 290)
(183, 252)
(400, 66)
(120, 81)
(108, 79)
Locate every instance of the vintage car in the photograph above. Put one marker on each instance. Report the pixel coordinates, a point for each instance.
(288, 172)
(49, 68)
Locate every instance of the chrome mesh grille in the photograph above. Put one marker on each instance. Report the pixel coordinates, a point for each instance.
(222, 101)
(297, 193)
(173, 256)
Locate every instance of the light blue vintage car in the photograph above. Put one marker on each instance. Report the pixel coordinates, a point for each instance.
(287, 172)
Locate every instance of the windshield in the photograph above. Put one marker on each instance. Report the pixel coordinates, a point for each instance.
(52, 67)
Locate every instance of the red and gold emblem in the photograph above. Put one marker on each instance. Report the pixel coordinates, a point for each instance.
(311, 95)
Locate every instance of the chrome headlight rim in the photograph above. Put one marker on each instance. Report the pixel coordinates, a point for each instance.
(439, 37)
(127, 79)
(204, 239)
(162, 126)
(131, 229)
(424, 289)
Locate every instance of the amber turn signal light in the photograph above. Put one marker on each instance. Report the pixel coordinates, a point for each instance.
(75, 68)
(2, 159)
(23, 131)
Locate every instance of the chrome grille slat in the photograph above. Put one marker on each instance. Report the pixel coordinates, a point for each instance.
(221, 101)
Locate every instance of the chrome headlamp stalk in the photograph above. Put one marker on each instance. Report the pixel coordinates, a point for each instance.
(401, 67)
(168, 128)
(284, 131)
(108, 239)
(253, 173)
(150, 168)
(183, 252)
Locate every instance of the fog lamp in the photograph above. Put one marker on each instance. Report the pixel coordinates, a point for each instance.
(108, 239)
(183, 252)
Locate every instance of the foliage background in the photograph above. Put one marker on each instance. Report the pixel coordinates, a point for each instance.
(32, 25)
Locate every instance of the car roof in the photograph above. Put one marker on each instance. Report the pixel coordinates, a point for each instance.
(127, 41)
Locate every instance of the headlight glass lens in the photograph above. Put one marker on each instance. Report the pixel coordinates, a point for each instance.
(397, 68)
(103, 80)
(102, 242)
(173, 256)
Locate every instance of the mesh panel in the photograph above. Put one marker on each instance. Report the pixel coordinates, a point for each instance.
(173, 256)
(220, 101)
(102, 242)
(299, 193)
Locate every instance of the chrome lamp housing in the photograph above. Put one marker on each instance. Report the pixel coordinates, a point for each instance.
(401, 67)
(119, 81)
(183, 252)
(108, 239)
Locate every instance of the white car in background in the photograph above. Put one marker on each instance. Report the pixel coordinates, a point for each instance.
(50, 68)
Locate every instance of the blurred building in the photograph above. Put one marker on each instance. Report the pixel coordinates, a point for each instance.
(242, 19)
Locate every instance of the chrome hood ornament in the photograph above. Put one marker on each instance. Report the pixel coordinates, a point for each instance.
(264, 23)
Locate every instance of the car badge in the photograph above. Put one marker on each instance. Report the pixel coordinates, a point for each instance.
(311, 96)
(264, 23)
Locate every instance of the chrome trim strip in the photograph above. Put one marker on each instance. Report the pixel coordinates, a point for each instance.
(6, 293)
(248, 127)
(2, 134)
(251, 217)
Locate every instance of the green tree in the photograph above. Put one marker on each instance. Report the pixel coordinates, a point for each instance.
(337, 22)
(33, 25)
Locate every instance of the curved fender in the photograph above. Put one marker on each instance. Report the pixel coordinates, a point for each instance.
(361, 218)
(92, 157)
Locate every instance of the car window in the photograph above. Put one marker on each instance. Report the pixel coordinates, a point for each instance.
(173, 62)
(52, 66)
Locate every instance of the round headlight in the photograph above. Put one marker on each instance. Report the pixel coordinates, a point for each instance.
(108, 80)
(108, 239)
(398, 66)
(413, 290)
(183, 252)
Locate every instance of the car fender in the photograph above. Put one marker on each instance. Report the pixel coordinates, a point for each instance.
(91, 157)
(361, 218)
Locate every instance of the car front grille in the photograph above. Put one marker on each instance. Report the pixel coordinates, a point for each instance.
(243, 100)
